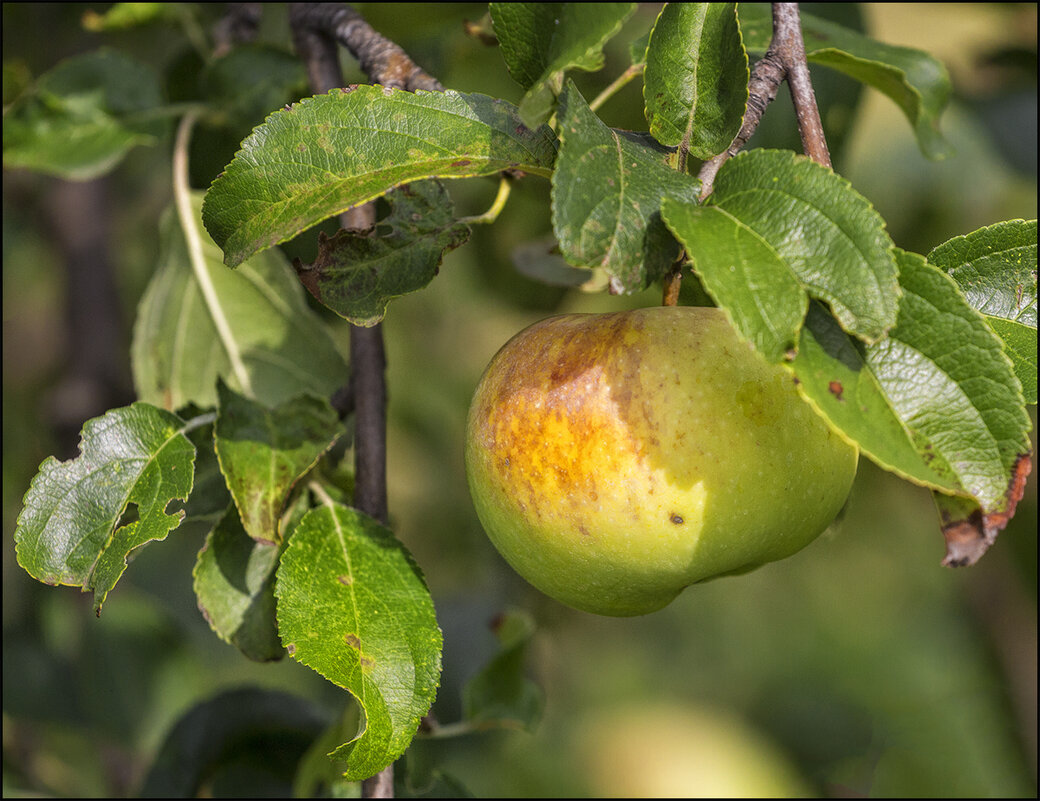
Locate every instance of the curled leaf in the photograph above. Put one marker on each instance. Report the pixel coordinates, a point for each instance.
(353, 606)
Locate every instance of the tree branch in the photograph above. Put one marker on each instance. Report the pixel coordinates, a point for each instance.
(787, 38)
(238, 25)
(784, 60)
(383, 61)
(317, 29)
(367, 383)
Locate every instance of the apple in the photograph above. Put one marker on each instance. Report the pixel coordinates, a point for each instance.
(615, 459)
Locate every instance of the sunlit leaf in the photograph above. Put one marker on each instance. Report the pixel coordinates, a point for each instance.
(995, 268)
(122, 16)
(607, 192)
(935, 401)
(330, 153)
(828, 235)
(744, 274)
(695, 84)
(353, 606)
(72, 529)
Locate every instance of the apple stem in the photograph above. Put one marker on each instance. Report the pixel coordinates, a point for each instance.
(784, 60)
(672, 283)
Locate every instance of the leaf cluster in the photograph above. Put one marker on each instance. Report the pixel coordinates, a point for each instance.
(799, 260)
(924, 362)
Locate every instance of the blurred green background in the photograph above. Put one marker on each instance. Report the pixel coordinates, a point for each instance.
(859, 667)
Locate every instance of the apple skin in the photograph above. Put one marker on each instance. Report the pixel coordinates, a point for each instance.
(614, 459)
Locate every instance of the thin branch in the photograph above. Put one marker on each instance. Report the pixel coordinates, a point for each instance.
(619, 83)
(505, 186)
(766, 77)
(367, 382)
(784, 60)
(383, 61)
(317, 29)
(239, 25)
(787, 34)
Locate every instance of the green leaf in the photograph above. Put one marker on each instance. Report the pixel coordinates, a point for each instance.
(827, 234)
(234, 583)
(995, 268)
(949, 380)
(251, 81)
(940, 376)
(70, 531)
(123, 16)
(1020, 346)
(83, 116)
(332, 152)
(541, 41)
(357, 275)
(695, 85)
(353, 605)
(178, 350)
(916, 81)
(218, 731)
(744, 275)
(607, 192)
(833, 375)
(263, 453)
(501, 694)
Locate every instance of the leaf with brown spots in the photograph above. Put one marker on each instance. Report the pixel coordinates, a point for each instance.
(333, 152)
(353, 606)
(935, 402)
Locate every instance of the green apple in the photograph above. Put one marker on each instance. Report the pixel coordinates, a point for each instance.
(615, 459)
